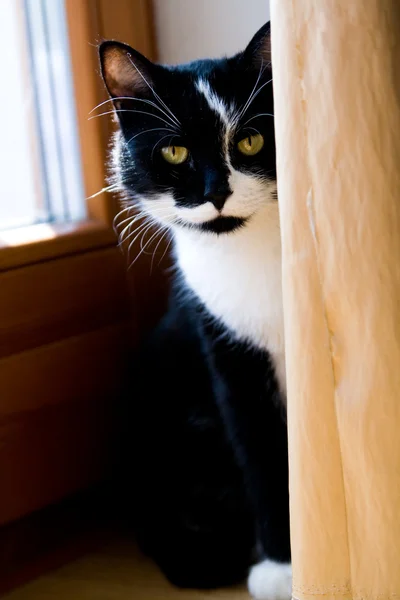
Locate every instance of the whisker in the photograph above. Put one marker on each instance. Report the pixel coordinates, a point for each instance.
(159, 141)
(255, 117)
(158, 230)
(123, 239)
(131, 218)
(121, 212)
(142, 232)
(141, 112)
(144, 212)
(132, 99)
(166, 250)
(155, 93)
(143, 218)
(252, 91)
(137, 231)
(252, 128)
(132, 221)
(151, 103)
(255, 96)
(143, 247)
(120, 223)
(149, 131)
(156, 248)
(142, 227)
(167, 230)
(109, 188)
(110, 100)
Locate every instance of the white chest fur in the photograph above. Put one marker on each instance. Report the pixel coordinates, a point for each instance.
(238, 278)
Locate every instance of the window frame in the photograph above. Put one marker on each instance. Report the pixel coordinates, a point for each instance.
(89, 21)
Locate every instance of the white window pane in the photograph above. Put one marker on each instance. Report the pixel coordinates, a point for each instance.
(41, 163)
(21, 188)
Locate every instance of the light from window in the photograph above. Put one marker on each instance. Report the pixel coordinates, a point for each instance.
(40, 168)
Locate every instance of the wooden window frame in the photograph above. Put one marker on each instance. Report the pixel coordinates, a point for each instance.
(89, 21)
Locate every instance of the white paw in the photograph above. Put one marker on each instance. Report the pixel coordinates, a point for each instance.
(269, 580)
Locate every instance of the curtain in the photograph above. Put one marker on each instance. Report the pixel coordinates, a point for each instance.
(336, 67)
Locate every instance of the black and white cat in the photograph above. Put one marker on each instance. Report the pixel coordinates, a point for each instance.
(208, 454)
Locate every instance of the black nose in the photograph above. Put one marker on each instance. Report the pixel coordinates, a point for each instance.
(218, 197)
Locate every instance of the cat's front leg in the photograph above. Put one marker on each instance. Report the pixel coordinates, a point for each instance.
(248, 397)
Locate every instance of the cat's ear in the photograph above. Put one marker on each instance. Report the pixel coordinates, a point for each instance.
(126, 72)
(259, 49)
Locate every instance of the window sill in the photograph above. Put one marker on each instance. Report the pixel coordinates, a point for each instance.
(38, 243)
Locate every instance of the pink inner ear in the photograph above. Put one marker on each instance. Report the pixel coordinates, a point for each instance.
(122, 76)
(266, 50)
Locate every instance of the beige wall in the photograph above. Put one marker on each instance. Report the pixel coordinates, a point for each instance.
(190, 29)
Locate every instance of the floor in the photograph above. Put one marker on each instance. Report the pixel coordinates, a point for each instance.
(115, 571)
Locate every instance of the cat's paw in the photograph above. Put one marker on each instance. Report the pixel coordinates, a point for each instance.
(269, 580)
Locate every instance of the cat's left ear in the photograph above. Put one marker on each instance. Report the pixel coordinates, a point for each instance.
(126, 73)
(259, 49)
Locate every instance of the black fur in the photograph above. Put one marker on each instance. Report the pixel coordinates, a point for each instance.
(207, 449)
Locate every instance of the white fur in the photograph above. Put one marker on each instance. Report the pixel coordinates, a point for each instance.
(198, 214)
(236, 275)
(228, 115)
(270, 580)
(214, 102)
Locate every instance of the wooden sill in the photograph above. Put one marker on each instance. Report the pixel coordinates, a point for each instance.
(38, 243)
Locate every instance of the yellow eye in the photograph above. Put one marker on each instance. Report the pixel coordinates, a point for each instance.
(176, 155)
(251, 145)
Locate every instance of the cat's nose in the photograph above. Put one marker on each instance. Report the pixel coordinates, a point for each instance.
(218, 197)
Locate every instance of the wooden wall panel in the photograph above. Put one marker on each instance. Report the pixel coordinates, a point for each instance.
(42, 303)
(56, 421)
(47, 241)
(83, 28)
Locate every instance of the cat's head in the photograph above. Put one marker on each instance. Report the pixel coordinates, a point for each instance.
(196, 145)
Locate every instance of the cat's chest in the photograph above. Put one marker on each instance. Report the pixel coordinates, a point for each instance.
(239, 281)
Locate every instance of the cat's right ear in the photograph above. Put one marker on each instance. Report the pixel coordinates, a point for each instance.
(259, 49)
(126, 73)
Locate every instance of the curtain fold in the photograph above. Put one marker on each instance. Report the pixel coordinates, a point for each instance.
(336, 67)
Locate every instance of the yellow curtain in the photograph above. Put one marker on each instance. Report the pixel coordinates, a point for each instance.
(337, 113)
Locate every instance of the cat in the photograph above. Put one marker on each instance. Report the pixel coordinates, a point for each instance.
(208, 454)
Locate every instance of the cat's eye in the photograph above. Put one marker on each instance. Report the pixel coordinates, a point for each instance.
(251, 145)
(176, 155)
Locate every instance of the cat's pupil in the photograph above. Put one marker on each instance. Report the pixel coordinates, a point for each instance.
(249, 140)
(173, 150)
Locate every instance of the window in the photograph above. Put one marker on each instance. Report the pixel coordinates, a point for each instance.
(40, 167)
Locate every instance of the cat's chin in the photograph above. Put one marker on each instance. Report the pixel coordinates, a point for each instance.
(218, 225)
